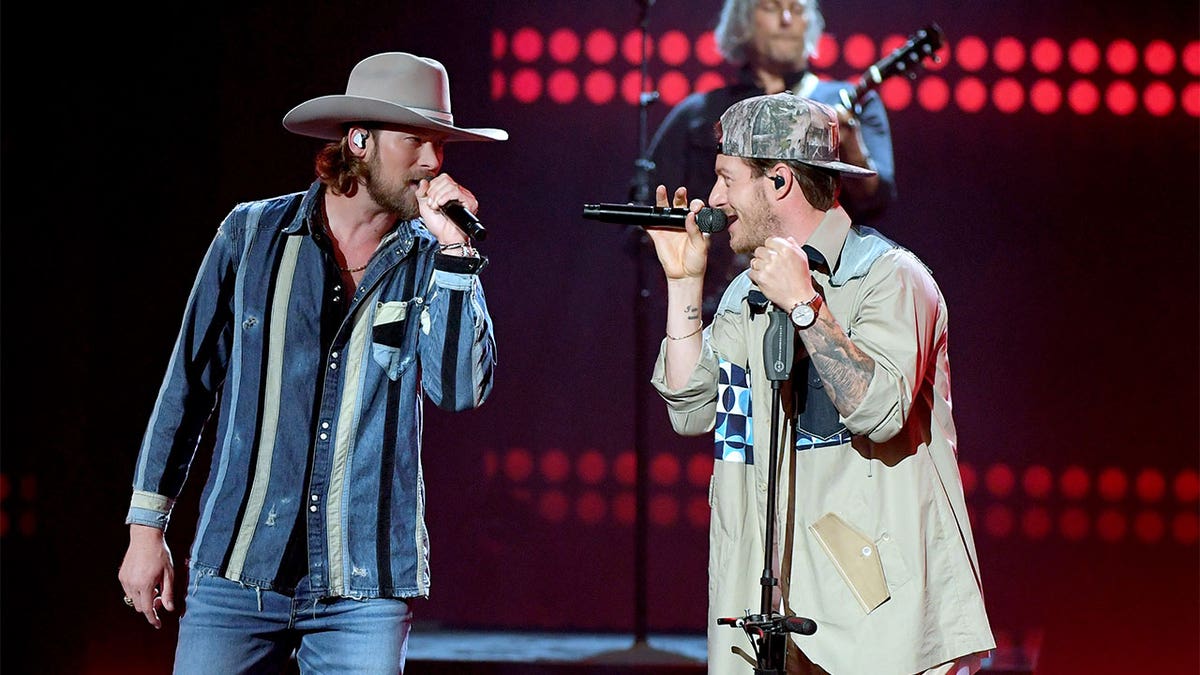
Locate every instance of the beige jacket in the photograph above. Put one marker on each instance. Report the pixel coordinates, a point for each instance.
(873, 541)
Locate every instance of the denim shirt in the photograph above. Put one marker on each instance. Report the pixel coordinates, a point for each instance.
(318, 399)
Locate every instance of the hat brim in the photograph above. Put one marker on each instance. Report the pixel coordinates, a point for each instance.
(326, 117)
(841, 167)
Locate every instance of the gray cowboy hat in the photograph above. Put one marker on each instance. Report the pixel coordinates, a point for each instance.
(390, 88)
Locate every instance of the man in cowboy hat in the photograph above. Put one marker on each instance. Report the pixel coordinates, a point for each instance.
(871, 539)
(317, 321)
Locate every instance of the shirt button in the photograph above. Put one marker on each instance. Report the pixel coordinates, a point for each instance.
(333, 366)
(315, 498)
(313, 508)
(324, 425)
(324, 437)
(334, 355)
(887, 536)
(866, 550)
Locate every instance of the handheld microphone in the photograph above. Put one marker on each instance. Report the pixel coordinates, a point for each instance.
(465, 220)
(707, 219)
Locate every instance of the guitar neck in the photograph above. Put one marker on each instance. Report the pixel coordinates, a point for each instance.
(905, 60)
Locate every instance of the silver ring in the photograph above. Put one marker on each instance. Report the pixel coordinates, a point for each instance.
(128, 600)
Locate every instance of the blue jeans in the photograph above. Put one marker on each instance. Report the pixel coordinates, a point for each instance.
(230, 628)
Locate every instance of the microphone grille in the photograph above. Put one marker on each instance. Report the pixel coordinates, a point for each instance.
(711, 220)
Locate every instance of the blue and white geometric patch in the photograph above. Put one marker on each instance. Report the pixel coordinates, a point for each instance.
(733, 438)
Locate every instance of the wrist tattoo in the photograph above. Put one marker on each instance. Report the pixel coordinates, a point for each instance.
(692, 312)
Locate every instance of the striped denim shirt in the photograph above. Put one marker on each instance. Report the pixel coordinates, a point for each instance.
(318, 399)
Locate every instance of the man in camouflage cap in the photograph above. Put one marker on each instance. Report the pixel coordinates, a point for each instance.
(872, 539)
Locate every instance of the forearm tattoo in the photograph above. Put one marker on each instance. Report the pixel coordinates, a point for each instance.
(844, 368)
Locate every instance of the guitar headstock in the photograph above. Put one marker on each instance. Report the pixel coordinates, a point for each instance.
(905, 60)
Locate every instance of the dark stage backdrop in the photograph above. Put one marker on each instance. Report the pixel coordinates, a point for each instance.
(1048, 175)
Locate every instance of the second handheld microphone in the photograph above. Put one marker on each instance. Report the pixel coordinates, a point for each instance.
(707, 219)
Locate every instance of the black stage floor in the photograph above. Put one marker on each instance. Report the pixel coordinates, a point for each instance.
(434, 651)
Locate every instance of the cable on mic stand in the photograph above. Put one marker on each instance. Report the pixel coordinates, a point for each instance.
(768, 629)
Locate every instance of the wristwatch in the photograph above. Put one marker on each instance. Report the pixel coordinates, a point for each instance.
(804, 314)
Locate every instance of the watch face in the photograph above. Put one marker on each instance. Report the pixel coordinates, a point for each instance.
(803, 316)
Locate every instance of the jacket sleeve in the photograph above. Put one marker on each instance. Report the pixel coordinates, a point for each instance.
(693, 407)
(189, 389)
(457, 343)
(900, 324)
(877, 136)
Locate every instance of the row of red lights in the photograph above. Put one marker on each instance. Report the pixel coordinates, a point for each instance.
(931, 93)
(858, 51)
(971, 94)
(999, 521)
(592, 468)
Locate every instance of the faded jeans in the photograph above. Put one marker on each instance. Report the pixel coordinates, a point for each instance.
(230, 628)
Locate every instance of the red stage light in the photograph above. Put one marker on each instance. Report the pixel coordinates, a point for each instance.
(1038, 482)
(673, 86)
(896, 93)
(625, 468)
(1191, 57)
(1045, 96)
(1184, 528)
(631, 47)
(624, 508)
(859, 51)
(1159, 57)
(999, 480)
(631, 87)
(1112, 484)
(699, 470)
(600, 46)
(599, 87)
(591, 467)
(562, 86)
(966, 470)
(970, 94)
(1122, 56)
(1151, 485)
(490, 464)
(518, 464)
(1121, 97)
(698, 512)
(1008, 95)
(564, 45)
(526, 85)
(674, 47)
(1009, 54)
(706, 50)
(1158, 99)
(971, 53)
(1189, 99)
(891, 43)
(665, 469)
(1187, 485)
(933, 93)
(1084, 56)
(527, 45)
(708, 81)
(1083, 97)
(498, 85)
(1046, 55)
(664, 510)
(827, 52)
(499, 44)
(554, 466)
(1074, 483)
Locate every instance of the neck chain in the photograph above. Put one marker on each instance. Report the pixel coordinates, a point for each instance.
(355, 269)
(324, 220)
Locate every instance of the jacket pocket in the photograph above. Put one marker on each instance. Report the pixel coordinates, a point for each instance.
(856, 559)
(389, 332)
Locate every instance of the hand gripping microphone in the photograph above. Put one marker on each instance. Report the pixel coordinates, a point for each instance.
(707, 219)
(465, 220)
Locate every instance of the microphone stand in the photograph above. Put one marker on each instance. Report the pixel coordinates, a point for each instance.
(641, 192)
(768, 629)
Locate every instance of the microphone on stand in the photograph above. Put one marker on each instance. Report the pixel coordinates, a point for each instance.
(707, 219)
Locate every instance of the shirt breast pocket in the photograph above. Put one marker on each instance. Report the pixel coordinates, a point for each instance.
(391, 337)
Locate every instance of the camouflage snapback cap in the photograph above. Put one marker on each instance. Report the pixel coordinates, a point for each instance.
(785, 126)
